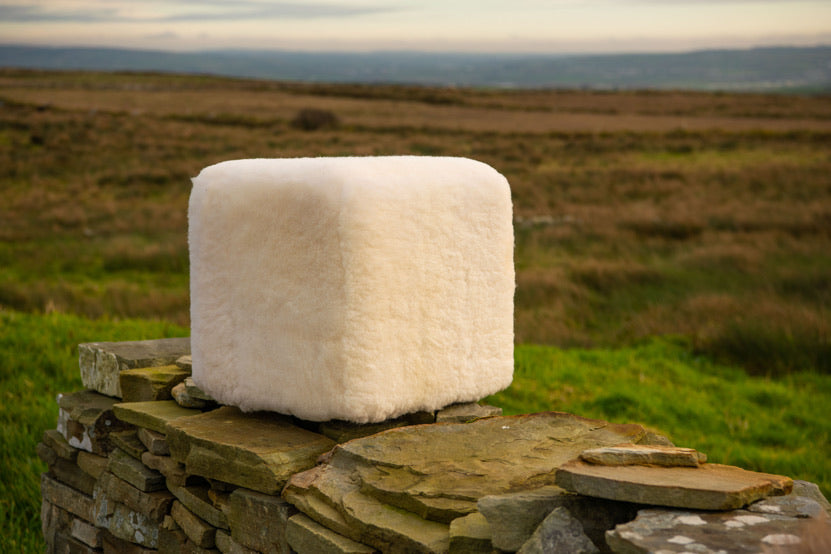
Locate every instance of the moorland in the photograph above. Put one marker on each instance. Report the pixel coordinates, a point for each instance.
(673, 249)
(762, 69)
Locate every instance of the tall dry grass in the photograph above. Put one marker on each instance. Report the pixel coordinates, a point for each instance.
(637, 213)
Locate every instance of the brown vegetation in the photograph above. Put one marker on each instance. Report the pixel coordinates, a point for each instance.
(312, 119)
(637, 213)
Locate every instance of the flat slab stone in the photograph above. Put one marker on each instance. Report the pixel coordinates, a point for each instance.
(154, 442)
(344, 431)
(305, 536)
(150, 383)
(406, 485)
(465, 412)
(641, 454)
(195, 498)
(132, 526)
(101, 362)
(53, 521)
(92, 464)
(45, 453)
(469, 534)
(187, 394)
(736, 531)
(258, 521)
(393, 486)
(129, 442)
(173, 471)
(86, 533)
(86, 419)
(303, 492)
(112, 490)
(135, 472)
(67, 498)
(327, 495)
(198, 531)
(441, 471)
(56, 441)
(708, 487)
(259, 451)
(70, 474)
(153, 415)
(197, 393)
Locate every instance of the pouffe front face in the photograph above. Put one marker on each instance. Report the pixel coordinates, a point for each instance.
(351, 288)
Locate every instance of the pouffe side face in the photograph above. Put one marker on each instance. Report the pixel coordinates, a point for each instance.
(351, 288)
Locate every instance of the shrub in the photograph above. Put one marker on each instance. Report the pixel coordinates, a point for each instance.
(312, 119)
(773, 339)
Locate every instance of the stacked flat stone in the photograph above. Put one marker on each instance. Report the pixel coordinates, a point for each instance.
(145, 472)
(144, 461)
(98, 495)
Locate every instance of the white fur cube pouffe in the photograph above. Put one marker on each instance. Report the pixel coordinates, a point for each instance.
(359, 289)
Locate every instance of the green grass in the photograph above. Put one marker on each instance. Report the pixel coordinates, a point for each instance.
(775, 426)
(39, 359)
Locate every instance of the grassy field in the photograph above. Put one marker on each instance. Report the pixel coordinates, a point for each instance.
(637, 213)
(772, 425)
(701, 218)
(38, 360)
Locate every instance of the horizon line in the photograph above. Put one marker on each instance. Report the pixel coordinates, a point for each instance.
(357, 51)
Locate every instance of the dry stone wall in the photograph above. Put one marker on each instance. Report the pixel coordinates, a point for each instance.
(143, 461)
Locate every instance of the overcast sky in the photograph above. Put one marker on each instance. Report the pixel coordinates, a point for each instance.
(545, 26)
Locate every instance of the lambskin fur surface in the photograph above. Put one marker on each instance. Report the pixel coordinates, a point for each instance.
(351, 288)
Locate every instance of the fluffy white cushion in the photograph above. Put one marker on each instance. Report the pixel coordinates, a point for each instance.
(351, 288)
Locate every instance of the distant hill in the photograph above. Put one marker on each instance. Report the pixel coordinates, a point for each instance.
(778, 69)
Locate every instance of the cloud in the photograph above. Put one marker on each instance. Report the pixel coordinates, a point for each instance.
(164, 35)
(181, 11)
(20, 13)
(720, 3)
(223, 10)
